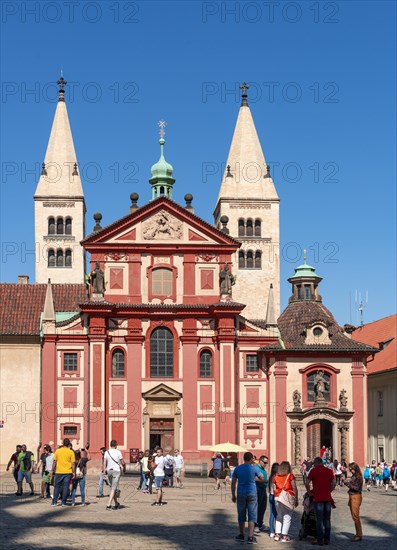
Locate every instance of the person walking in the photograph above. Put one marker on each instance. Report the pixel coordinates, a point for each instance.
(261, 493)
(101, 477)
(217, 466)
(147, 488)
(82, 458)
(367, 477)
(142, 479)
(323, 482)
(272, 502)
(169, 467)
(15, 464)
(64, 470)
(244, 477)
(178, 468)
(386, 477)
(284, 481)
(26, 468)
(113, 461)
(355, 485)
(158, 473)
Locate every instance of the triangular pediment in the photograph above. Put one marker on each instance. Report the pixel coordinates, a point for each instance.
(162, 221)
(162, 392)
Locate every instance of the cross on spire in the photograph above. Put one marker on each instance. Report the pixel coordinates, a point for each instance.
(61, 83)
(244, 87)
(162, 125)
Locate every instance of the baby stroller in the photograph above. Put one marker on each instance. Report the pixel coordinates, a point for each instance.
(308, 520)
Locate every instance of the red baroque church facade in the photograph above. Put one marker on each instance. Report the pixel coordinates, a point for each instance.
(175, 337)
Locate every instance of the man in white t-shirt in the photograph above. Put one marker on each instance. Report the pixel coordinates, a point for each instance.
(178, 459)
(158, 474)
(112, 463)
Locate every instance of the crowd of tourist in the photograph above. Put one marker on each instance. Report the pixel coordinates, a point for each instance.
(253, 484)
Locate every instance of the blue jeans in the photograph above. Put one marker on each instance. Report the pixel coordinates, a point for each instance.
(142, 481)
(61, 486)
(247, 503)
(262, 504)
(323, 520)
(100, 486)
(78, 481)
(273, 514)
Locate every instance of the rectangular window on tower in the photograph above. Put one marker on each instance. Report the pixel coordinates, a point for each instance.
(251, 363)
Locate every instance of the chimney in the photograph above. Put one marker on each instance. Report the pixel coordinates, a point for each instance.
(23, 279)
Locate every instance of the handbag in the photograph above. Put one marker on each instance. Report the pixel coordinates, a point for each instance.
(79, 474)
(285, 497)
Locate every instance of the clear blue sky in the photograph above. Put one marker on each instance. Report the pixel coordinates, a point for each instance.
(322, 94)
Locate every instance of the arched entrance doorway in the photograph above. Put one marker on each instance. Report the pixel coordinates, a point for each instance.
(318, 433)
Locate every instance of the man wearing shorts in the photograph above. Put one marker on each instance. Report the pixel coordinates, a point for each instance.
(15, 464)
(25, 461)
(159, 474)
(246, 475)
(113, 461)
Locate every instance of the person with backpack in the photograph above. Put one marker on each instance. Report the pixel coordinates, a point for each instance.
(113, 462)
(169, 465)
(367, 477)
(386, 476)
(26, 468)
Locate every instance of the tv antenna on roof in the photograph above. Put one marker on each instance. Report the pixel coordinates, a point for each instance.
(361, 304)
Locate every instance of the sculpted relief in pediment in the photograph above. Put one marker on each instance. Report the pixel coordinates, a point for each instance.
(162, 226)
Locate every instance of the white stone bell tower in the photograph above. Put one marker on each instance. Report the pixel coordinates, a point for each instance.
(59, 206)
(248, 198)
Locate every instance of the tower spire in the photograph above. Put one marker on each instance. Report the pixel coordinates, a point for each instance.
(244, 97)
(162, 180)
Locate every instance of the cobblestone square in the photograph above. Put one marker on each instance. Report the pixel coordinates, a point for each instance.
(195, 516)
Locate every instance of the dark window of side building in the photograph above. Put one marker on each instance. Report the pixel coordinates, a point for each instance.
(118, 369)
(251, 363)
(380, 403)
(70, 430)
(161, 353)
(205, 364)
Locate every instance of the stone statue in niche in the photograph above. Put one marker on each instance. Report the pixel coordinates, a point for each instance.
(343, 399)
(162, 226)
(296, 397)
(226, 281)
(98, 279)
(320, 385)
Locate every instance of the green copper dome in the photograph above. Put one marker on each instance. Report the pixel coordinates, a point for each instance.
(162, 180)
(305, 270)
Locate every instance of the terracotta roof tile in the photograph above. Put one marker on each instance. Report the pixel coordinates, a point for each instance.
(383, 331)
(297, 316)
(21, 305)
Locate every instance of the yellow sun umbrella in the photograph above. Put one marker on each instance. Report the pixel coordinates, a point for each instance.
(227, 448)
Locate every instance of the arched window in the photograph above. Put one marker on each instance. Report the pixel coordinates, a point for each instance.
(161, 353)
(257, 228)
(311, 380)
(241, 228)
(51, 226)
(59, 226)
(68, 258)
(250, 228)
(161, 190)
(59, 258)
(258, 259)
(68, 226)
(118, 369)
(162, 282)
(250, 259)
(241, 259)
(51, 258)
(205, 364)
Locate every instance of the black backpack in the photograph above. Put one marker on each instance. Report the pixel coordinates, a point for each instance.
(27, 461)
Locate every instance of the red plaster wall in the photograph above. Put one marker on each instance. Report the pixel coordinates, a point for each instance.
(97, 375)
(252, 397)
(205, 397)
(117, 432)
(117, 397)
(206, 433)
(69, 396)
(189, 396)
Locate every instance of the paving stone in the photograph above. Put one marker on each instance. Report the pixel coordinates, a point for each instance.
(196, 516)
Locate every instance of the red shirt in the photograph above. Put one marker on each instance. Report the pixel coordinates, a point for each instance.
(279, 482)
(321, 478)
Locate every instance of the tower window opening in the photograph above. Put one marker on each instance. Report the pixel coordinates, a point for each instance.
(258, 259)
(241, 260)
(59, 258)
(241, 228)
(250, 229)
(250, 259)
(68, 226)
(60, 228)
(51, 258)
(68, 258)
(257, 228)
(51, 226)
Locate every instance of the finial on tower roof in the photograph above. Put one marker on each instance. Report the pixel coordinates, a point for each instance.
(75, 172)
(228, 173)
(61, 83)
(244, 87)
(43, 169)
(162, 125)
(304, 255)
